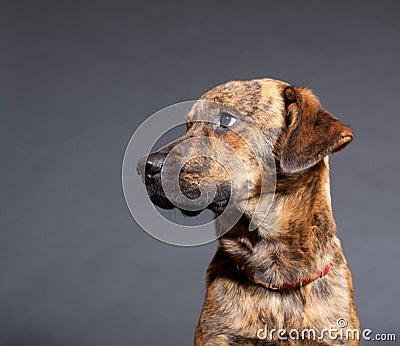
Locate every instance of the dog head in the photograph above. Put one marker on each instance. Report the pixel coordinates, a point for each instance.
(256, 121)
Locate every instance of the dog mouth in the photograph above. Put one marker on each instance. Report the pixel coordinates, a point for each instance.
(219, 205)
(158, 198)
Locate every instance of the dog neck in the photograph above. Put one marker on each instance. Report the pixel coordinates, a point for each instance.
(295, 241)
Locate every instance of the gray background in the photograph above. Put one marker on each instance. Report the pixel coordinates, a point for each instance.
(77, 78)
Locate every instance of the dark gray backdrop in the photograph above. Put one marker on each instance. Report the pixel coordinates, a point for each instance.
(77, 78)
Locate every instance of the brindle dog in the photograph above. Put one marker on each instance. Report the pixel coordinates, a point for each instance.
(290, 273)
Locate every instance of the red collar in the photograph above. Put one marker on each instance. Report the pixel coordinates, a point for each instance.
(286, 285)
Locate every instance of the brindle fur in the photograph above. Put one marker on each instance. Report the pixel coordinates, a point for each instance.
(296, 240)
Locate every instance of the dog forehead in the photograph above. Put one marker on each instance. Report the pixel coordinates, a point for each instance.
(251, 98)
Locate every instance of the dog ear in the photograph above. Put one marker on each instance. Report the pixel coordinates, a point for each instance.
(312, 133)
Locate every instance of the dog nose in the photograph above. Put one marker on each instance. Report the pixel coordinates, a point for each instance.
(154, 164)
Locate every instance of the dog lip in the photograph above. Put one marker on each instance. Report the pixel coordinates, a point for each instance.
(222, 201)
(161, 201)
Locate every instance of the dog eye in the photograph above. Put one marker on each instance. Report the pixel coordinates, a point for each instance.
(227, 120)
